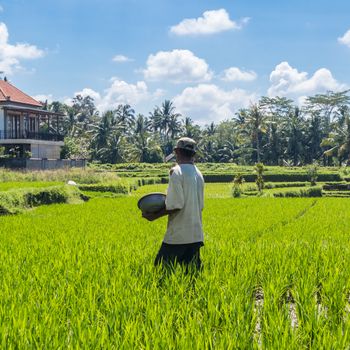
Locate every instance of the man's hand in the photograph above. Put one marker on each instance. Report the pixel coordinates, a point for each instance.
(158, 214)
(150, 216)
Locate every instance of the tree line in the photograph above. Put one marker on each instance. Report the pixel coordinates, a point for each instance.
(274, 130)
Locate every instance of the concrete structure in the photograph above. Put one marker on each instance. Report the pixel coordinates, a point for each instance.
(26, 128)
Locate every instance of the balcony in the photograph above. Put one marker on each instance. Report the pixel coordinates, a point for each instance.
(29, 135)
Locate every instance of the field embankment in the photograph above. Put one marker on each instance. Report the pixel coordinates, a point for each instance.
(25, 190)
(16, 200)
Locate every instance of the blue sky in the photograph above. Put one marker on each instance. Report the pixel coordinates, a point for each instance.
(209, 57)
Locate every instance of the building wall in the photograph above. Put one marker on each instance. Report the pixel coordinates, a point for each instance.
(45, 151)
(36, 164)
(41, 164)
(2, 119)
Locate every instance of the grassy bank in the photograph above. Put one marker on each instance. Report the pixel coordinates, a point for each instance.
(16, 200)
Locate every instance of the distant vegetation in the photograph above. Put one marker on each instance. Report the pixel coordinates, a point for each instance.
(21, 190)
(274, 131)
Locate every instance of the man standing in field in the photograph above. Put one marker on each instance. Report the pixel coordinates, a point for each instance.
(183, 205)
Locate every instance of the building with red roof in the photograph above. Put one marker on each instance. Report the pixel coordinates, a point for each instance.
(26, 128)
(9, 93)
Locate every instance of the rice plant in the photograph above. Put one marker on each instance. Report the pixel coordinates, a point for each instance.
(275, 276)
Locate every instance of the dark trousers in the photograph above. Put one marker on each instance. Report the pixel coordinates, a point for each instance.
(183, 254)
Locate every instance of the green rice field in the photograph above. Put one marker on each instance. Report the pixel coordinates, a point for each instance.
(81, 276)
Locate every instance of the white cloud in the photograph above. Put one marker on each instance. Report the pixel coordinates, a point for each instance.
(235, 74)
(158, 94)
(89, 92)
(211, 22)
(42, 98)
(10, 55)
(83, 93)
(207, 102)
(288, 81)
(121, 59)
(177, 66)
(345, 39)
(67, 100)
(120, 92)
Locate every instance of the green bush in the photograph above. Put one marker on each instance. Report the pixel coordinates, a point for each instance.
(120, 187)
(221, 178)
(252, 193)
(270, 185)
(45, 196)
(14, 201)
(337, 187)
(312, 172)
(300, 178)
(314, 191)
(286, 177)
(11, 202)
(151, 181)
(341, 194)
(236, 191)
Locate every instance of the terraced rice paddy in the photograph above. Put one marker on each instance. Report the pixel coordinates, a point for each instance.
(276, 276)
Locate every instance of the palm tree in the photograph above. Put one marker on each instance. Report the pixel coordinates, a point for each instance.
(187, 124)
(174, 127)
(141, 138)
(125, 117)
(326, 105)
(293, 129)
(210, 129)
(165, 120)
(162, 117)
(276, 110)
(113, 152)
(207, 150)
(313, 138)
(228, 153)
(339, 141)
(190, 130)
(254, 127)
(70, 124)
(142, 125)
(143, 146)
(85, 112)
(101, 132)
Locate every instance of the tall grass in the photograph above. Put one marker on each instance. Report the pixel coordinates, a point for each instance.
(83, 277)
(82, 176)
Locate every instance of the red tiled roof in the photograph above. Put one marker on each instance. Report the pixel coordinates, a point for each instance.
(9, 93)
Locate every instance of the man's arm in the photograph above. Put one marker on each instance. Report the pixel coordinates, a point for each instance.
(159, 214)
(174, 198)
